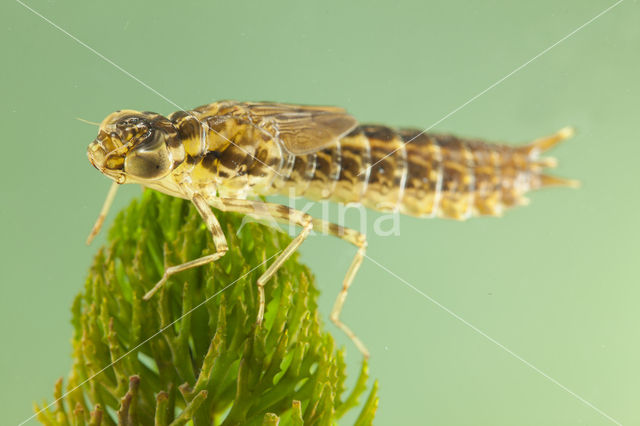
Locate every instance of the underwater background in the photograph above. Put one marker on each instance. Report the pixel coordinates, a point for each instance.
(529, 319)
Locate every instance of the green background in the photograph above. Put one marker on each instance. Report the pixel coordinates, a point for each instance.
(556, 282)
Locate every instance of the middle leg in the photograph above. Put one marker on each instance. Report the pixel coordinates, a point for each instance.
(219, 241)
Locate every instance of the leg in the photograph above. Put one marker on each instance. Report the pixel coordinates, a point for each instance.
(360, 241)
(285, 214)
(103, 212)
(280, 213)
(218, 239)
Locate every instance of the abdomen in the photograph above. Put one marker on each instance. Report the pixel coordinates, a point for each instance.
(419, 174)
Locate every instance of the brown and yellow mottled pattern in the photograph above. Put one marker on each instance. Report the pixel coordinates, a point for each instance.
(220, 154)
(224, 149)
(433, 175)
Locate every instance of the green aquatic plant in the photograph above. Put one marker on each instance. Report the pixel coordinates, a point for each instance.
(192, 354)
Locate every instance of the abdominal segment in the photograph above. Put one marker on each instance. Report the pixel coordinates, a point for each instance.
(420, 174)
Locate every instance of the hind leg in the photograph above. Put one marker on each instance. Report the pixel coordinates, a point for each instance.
(281, 214)
(360, 241)
(285, 214)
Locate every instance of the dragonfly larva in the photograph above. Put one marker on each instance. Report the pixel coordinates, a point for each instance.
(224, 154)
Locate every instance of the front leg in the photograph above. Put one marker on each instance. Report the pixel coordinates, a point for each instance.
(218, 240)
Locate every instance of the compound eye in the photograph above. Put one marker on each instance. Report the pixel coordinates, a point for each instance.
(149, 160)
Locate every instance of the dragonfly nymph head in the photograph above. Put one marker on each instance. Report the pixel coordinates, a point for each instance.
(135, 146)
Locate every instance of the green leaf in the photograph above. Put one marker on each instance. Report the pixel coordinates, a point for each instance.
(198, 334)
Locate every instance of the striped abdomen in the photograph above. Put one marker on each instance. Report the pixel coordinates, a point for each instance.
(420, 174)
